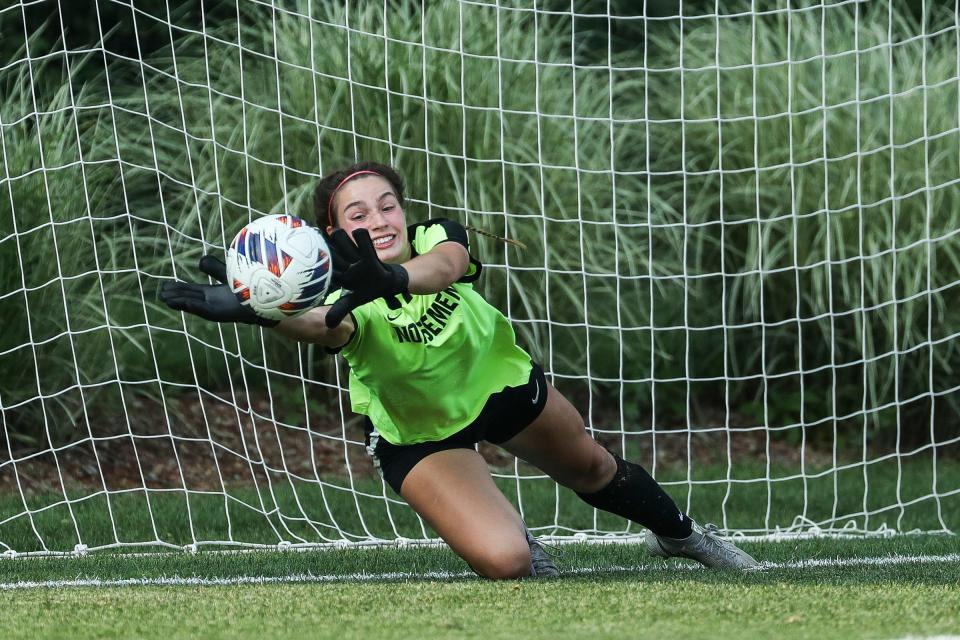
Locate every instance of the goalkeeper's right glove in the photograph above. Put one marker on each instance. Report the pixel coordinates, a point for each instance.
(216, 302)
(364, 278)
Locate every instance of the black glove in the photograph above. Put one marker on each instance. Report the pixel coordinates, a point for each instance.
(216, 302)
(363, 277)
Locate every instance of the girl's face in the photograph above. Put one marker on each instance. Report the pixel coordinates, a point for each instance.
(369, 202)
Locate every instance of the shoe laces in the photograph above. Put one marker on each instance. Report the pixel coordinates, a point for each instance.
(551, 550)
(710, 538)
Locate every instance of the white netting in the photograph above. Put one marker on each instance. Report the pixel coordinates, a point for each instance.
(740, 223)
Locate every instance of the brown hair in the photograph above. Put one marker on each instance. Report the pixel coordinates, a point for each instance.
(328, 186)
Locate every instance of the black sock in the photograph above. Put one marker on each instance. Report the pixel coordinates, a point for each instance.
(635, 495)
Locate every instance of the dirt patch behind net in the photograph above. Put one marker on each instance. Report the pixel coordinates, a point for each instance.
(201, 444)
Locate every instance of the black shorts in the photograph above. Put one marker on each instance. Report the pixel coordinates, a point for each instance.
(505, 414)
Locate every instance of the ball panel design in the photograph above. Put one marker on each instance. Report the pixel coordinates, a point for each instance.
(279, 265)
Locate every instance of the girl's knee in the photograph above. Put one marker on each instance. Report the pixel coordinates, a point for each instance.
(502, 562)
(594, 472)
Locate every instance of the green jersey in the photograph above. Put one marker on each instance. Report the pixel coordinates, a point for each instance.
(424, 371)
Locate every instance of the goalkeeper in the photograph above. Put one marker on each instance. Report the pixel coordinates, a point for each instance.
(435, 369)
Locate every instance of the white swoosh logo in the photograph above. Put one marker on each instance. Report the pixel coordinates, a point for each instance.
(537, 396)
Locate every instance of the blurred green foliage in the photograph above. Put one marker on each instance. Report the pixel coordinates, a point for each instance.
(768, 234)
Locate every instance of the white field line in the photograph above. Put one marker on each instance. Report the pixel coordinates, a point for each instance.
(299, 578)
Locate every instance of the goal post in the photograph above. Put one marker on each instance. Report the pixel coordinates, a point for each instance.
(740, 222)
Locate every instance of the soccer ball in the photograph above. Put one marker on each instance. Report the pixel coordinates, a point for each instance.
(279, 265)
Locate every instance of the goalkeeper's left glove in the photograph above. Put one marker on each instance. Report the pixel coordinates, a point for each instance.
(215, 302)
(362, 275)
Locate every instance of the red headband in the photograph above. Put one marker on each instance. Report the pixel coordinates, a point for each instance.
(337, 188)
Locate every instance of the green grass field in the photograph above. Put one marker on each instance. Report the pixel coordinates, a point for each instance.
(605, 592)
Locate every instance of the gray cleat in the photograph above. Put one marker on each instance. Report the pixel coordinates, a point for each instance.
(541, 564)
(702, 545)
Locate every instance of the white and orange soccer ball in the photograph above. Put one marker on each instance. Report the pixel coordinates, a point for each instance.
(280, 266)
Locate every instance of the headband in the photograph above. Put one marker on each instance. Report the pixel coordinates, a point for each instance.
(337, 188)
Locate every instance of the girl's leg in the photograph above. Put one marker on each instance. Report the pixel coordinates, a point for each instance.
(453, 491)
(557, 443)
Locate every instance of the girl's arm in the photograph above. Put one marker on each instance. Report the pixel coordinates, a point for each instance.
(438, 268)
(311, 327)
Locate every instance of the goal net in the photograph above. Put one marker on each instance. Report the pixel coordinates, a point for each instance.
(741, 255)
